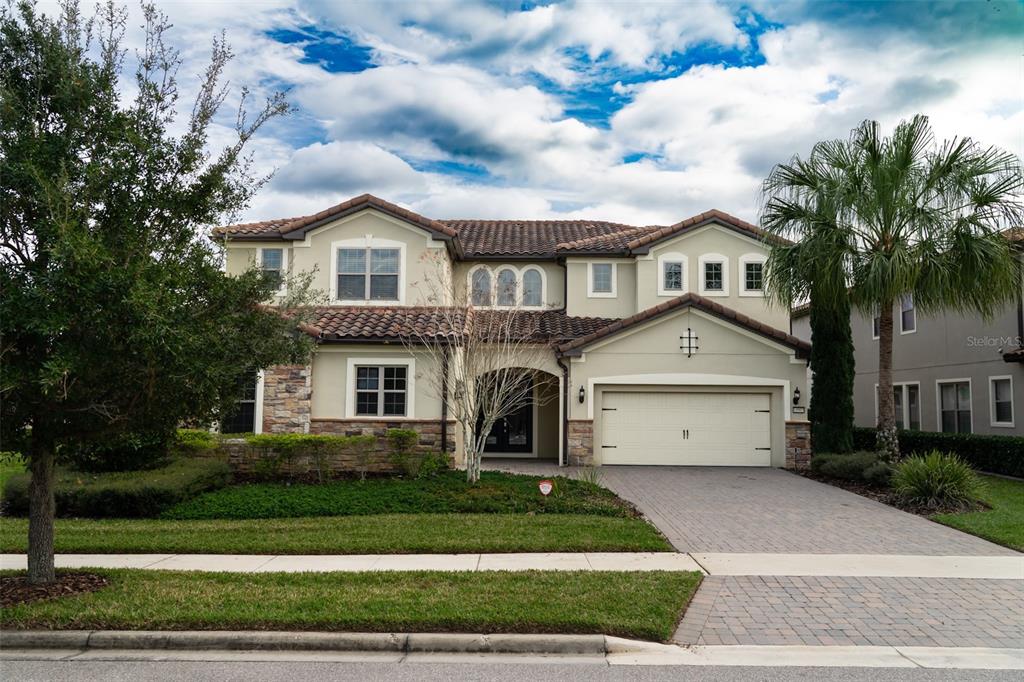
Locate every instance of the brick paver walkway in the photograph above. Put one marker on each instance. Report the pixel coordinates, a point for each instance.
(856, 611)
(728, 509)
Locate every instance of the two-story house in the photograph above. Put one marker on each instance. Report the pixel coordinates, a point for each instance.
(659, 345)
(952, 372)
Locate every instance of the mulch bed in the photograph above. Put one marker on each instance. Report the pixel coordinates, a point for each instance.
(15, 589)
(885, 496)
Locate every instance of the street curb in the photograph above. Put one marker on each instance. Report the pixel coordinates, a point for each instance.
(309, 641)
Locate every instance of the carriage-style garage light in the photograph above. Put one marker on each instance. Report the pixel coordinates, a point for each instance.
(796, 396)
(583, 394)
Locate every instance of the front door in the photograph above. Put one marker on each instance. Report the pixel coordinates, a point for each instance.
(514, 433)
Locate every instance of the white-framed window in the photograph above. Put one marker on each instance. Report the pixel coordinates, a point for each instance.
(368, 271)
(906, 397)
(480, 286)
(908, 315)
(1000, 395)
(381, 388)
(673, 271)
(505, 293)
(876, 326)
(601, 276)
(273, 261)
(953, 402)
(714, 275)
(752, 274)
(533, 288)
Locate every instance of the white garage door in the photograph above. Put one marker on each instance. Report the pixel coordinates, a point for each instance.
(697, 429)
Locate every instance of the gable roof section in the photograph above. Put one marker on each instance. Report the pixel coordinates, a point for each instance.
(502, 239)
(576, 346)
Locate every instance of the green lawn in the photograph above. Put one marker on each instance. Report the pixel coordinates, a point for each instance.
(637, 605)
(385, 534)
(8, 469)
(496, 493)
(1004, 523)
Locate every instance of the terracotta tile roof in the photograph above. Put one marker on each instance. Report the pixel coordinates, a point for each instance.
(371, 323)
(1014, 234)
(540, 238)
(543, 239)
(801, 347)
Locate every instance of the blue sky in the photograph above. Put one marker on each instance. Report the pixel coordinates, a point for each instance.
(637, 112)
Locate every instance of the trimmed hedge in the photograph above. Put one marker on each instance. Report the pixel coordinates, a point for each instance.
(861, 467)
(994, 454)
(127, 494)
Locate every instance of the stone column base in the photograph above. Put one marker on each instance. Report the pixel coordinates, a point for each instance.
(798, 445)
(581, 442)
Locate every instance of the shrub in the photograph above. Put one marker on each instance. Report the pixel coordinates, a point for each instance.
(936, 480)
(195, 442)
(432, 464)
(859, 467)
(402, 443)
(122, 452)
(127, 494)
(279, 451)
(994, 454)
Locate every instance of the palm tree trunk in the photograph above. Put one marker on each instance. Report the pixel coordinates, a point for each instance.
(887, 441)
(40, 511)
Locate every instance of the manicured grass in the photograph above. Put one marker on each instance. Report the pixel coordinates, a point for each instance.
(387, 534)
(496, 493)
(638, 605)
(8, 469)
(1004, 523)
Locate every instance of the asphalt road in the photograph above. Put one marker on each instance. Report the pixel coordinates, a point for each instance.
(304, 671)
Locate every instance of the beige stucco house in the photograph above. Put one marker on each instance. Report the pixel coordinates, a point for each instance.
(659, 346)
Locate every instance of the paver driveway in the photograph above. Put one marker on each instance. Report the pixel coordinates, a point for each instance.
(736, 509)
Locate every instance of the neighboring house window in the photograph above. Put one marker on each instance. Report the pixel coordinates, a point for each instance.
(242, 419)
(533, 285)
(907, 405)
(1001, 390)
(368, 274)
(714, 275)
(876, 326)
(955, 406)
(506, 288)
(908, 316)
(672, 274)
(602, 280)
(481, 284)
(272, 264)
(381, 391)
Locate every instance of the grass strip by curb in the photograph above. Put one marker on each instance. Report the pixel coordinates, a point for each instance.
(623, 604)
(385, 534)
(1004, 523)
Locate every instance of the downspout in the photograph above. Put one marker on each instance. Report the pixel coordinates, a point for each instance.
(565, 411)
(444, 402)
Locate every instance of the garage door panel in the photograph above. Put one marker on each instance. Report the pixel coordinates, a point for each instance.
(705, 429)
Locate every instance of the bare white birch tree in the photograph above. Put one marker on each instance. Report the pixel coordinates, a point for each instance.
(479, 358)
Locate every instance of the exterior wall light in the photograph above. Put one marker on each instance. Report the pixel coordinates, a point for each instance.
(796, 396)
(583, 395)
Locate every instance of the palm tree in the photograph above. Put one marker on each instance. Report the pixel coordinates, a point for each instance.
(889, 217)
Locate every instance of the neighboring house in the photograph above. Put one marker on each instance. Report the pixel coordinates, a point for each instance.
(951, 372)
(663, 349)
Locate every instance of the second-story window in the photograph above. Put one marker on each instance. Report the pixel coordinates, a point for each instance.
(368, 274)
(506, 294)
(672, 276)
(481, 287)
(532, 286)
(713, 277)
(908, 316)
(753, 276)
(601, 278)
(272, 264)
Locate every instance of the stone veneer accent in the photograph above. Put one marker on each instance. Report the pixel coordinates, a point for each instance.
(429, 430)
(287, 399)
(798, 445)
(581, 442)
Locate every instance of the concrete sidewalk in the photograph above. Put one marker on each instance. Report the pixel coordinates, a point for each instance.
(262, 563)
(724, 564)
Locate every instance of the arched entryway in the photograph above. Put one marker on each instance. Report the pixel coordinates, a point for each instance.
(533, 431)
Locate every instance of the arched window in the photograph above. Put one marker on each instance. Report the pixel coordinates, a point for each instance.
(532, 286)
(481, 287)
(507, 287)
